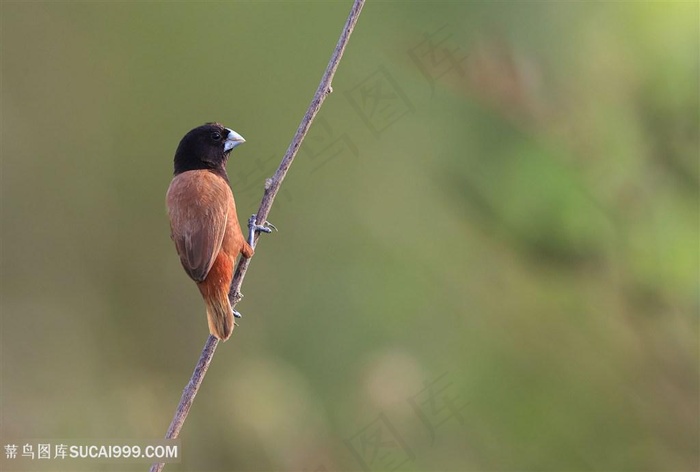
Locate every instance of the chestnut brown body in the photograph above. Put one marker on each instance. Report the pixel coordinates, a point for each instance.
(208, 238)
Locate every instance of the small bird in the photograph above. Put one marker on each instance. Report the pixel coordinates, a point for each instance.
(203, 220)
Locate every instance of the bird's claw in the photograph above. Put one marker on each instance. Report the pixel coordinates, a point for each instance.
(254, 227)
(237, 314)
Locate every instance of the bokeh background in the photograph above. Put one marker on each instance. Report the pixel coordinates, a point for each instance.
(488, 247)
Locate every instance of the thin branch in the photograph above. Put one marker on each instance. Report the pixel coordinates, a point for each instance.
(272, 187)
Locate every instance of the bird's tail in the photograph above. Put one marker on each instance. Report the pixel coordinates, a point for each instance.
(214, 290)
(219, 316)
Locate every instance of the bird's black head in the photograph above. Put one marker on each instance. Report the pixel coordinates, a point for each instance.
(206, 147)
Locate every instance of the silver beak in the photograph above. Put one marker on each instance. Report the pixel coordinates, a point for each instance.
(233, 140)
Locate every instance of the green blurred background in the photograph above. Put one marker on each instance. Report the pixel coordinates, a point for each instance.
(488, 247)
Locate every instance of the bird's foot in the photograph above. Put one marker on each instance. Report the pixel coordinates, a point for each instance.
(254, 227)
(237, 314)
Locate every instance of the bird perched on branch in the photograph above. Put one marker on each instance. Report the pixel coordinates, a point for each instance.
(203, 220)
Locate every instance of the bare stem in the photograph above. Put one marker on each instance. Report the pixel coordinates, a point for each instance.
(272, 186)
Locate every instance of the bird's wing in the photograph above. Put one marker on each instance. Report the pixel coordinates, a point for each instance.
(198, 208)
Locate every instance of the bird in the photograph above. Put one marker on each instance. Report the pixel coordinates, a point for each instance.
(203, 221)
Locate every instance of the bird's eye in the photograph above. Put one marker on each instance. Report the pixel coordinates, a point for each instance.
(216, 136)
